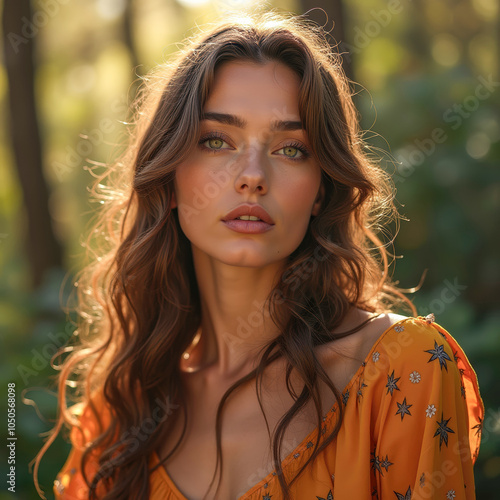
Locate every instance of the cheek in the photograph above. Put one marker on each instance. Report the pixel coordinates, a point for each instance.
(298, 198)
(194, 188)
(187, 182)
(190, 184)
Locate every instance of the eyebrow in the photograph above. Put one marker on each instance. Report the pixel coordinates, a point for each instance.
(236, 121)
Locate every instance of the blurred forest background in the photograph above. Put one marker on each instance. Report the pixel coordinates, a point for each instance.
(428, 89)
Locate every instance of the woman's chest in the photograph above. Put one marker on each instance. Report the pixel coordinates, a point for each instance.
(245, 442)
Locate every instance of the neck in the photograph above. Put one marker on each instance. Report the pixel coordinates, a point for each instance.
(235, 321)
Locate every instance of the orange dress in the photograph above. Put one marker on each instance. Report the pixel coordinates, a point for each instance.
(411, 430)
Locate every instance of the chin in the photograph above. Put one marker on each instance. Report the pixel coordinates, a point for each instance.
(244, 253)
(243, 258)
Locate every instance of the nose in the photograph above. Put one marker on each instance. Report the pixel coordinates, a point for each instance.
(252, 175)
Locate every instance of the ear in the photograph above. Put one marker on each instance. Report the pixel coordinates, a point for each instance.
(173, 201)
(319, 200)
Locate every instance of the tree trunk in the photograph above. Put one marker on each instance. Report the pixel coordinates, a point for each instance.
(19, 36)
(128, 38)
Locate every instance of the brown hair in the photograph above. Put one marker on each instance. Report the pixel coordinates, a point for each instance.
(138, 303)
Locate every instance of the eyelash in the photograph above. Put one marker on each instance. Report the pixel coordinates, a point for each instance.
(218, 135)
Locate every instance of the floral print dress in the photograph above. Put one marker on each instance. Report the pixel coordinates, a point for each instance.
(411, 430)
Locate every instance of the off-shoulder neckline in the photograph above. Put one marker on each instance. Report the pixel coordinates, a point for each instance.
(310, 437)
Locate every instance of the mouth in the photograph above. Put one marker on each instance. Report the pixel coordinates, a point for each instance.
(248, 226)
(248, 218)
(249, 212)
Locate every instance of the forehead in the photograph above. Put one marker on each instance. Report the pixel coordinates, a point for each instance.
(271, 87)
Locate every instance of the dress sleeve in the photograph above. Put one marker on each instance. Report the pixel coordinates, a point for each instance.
(429, 422)
(69, 483)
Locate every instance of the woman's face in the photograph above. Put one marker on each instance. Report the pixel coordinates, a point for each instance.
(252, 153)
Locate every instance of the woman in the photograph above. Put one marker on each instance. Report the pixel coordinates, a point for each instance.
(237, 339)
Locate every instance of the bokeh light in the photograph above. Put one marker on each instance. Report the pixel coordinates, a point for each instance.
(478, 145)
(446, 50)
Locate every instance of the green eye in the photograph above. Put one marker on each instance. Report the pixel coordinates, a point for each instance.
(290, 151)
(215, 143)
(294, 151)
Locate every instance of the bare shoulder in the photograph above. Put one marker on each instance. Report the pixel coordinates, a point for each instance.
(342, 357)
(376, 327)
(363, 340)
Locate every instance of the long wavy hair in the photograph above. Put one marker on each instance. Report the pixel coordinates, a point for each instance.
(138, 303)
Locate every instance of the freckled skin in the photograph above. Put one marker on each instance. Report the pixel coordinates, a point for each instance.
(249, 166)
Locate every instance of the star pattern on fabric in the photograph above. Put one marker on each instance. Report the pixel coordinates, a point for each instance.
(399, 328)
(415, 377)
(430, 411)
(380, 463)
(417, 380)
(360, 390)
(328, 497)
(439, 354)
(386, 464)
(443, 430)
(479, 427)
(405, 496)
(422, 480)
(403, 409)
(392, 383)
(375, 461)
(345, 397)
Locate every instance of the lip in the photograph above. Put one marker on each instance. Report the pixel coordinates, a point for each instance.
(248, 226)
(247, 209)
